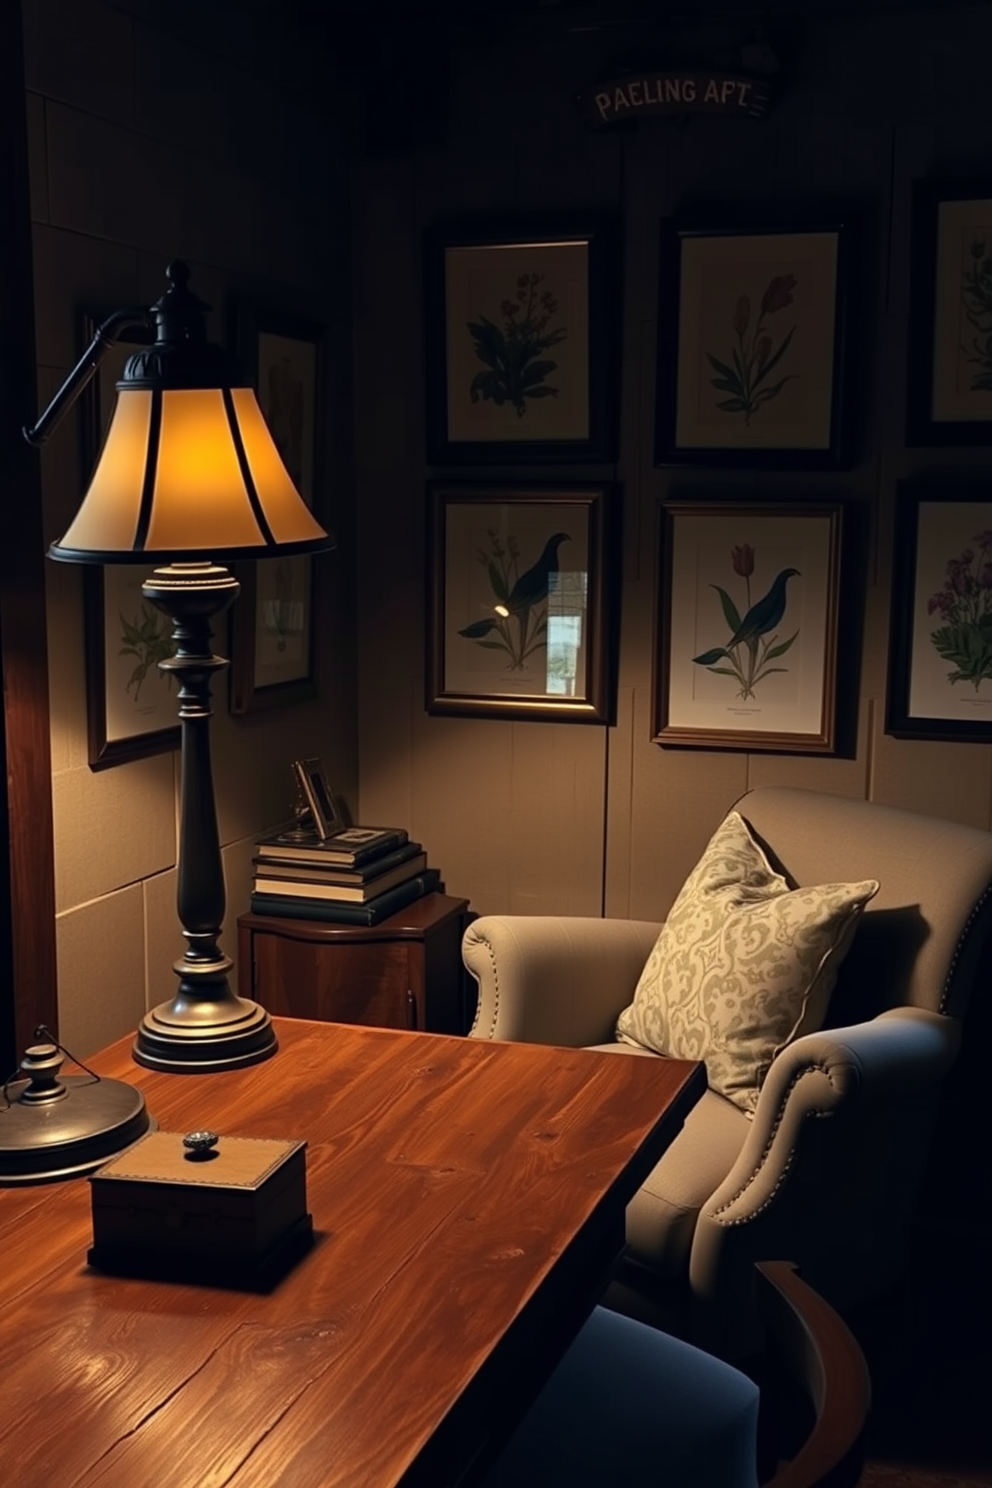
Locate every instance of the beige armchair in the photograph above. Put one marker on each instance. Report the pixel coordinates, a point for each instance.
(828, 1171)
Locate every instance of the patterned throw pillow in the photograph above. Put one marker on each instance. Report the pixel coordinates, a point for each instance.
(743, 964)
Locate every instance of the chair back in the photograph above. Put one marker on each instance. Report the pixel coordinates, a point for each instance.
(922, 937)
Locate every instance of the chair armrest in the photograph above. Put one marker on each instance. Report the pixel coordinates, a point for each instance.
(900, 1054)
(547, 979)
(826, 1115)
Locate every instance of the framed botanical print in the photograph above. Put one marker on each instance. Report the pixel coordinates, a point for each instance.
(273, 632)
(753, 346)
(940, 636)
(518, 603)
(747, 626)
(519, 340)
(949, 387)
(131, 707)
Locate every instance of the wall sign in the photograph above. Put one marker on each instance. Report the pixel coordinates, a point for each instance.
(672, 92)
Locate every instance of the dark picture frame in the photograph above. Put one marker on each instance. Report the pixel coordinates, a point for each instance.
(273, 633)
(520, 341)
(131, 707)
(770, 573)
(940, 659)
(949, 353)
(321, 803)
(518, 601)
(740, 385)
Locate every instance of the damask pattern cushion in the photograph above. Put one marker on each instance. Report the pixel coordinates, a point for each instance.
(743, 964)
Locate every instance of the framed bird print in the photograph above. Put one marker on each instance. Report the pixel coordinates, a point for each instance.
(518, 603)
(747, 626)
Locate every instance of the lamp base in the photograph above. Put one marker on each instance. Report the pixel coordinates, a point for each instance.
(202, 1038)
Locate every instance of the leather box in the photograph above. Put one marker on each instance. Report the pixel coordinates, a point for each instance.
(236, 1216)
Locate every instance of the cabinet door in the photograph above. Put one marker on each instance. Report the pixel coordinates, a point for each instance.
(341, 983)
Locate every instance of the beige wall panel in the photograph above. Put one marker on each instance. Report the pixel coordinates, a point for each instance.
(458, 773)
(60, 465)
(952, 780)
(253, 781)
(620, 798)
(392, 711)
(101, 970)
(554, 862)
(112, 827)
(72, 272)
(238, 878)
(37, 162)
(875, 664)
(819, 772)
(163, 938)
(680, 795)
(80, 52)
(66, 666)
(89, 163)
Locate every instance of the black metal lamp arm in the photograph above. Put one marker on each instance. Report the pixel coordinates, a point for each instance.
(105, 336)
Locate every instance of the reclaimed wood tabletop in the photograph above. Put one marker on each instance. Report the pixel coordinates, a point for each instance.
(468, 1201)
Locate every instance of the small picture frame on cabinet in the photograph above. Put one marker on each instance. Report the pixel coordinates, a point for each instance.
(323, 807)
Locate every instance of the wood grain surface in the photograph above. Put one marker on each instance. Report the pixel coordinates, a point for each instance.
(467, 1199)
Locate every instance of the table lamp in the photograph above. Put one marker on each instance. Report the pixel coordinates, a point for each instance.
(189, 477)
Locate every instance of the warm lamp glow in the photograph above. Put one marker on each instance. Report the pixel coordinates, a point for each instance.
(186, 473)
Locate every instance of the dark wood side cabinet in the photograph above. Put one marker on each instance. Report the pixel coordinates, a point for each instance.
(405, 972)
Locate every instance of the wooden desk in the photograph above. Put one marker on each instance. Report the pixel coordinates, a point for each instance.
(468, 1199)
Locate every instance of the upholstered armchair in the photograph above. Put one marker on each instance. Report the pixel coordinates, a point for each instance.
(826, 1169)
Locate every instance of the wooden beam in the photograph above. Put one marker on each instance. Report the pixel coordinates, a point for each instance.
(28, 993)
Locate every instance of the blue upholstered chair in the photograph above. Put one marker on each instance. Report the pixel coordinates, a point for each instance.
(632, 1407)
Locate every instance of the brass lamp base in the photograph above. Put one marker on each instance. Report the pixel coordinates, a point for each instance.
(202, 1034)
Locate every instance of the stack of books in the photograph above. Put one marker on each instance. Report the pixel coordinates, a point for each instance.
(358, 875)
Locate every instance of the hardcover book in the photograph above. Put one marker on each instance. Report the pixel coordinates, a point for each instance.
(380, 908)
(272, 864)
(352, 846)
(360, 893)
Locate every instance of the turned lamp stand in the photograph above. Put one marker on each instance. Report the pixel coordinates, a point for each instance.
(206, 1027)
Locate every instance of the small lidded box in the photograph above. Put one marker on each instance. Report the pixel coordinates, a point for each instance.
(224, 1211)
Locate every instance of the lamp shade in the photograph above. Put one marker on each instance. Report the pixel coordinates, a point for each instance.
(187, 473)
(189, 469)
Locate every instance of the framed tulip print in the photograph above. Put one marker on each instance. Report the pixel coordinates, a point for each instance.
(518, 604)
(747, 626)
(949, 387)
(753, 346)
(940, 636)
(520, 341)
